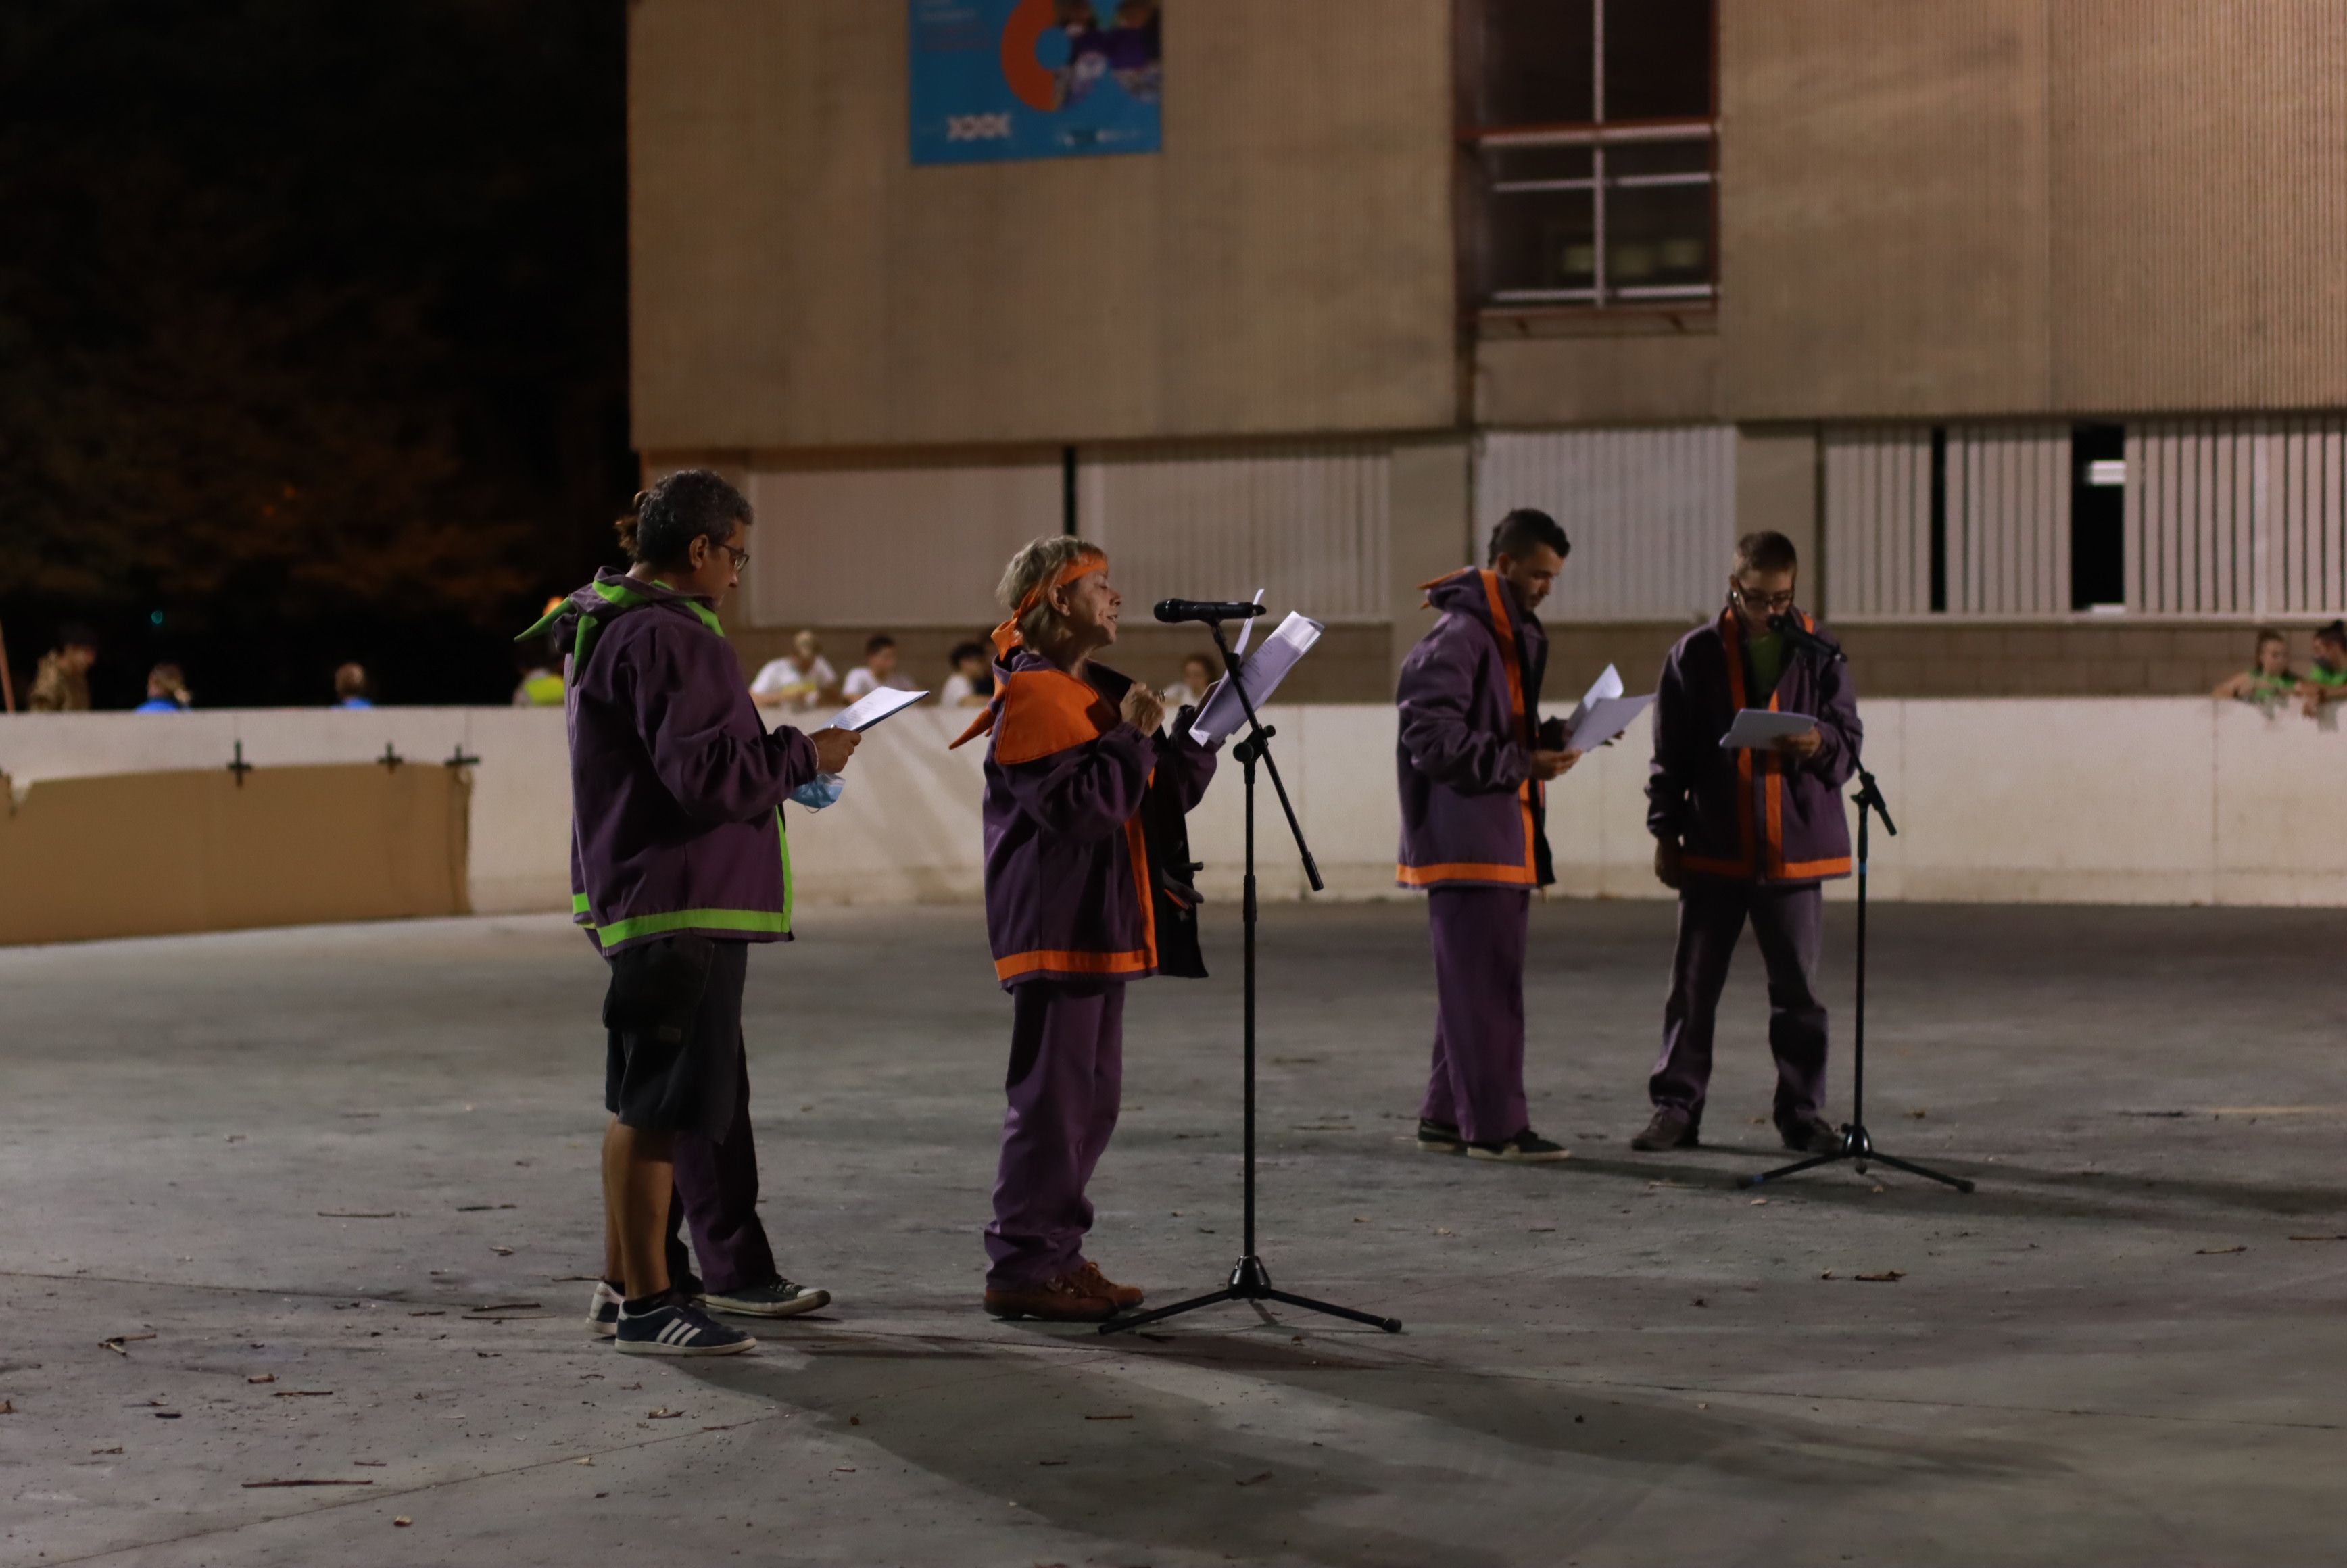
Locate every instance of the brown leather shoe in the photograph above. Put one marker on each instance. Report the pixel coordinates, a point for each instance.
(1124, 1295)
(1670, 1129)
(1067, 1299)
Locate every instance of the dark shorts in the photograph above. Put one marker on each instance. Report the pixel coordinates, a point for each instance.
(673, 1018)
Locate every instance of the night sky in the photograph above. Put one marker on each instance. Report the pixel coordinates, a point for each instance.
(313, 334)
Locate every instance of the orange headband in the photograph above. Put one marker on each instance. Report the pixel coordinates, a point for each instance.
(1007, 636)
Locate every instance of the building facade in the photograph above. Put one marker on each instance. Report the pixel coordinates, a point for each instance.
(2025, 318)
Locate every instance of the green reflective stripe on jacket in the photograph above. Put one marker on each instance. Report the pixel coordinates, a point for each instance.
(716, 921)
(789, 888)
(578, 905)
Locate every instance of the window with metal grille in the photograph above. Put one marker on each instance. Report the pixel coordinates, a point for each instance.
(1593, 129)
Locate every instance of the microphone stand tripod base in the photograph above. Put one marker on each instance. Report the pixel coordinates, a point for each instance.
(1858, 1148)
(1250, 1281)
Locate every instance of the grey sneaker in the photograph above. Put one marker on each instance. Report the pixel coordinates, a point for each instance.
(1526, 1148)
(780, 1299)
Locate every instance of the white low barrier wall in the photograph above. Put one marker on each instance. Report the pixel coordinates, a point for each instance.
(2160, 800)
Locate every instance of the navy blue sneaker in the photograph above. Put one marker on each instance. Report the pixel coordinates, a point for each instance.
(677, 1330)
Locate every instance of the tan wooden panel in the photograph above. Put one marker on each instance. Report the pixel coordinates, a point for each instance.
(132, 854)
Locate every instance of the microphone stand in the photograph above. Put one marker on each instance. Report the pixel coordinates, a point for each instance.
(1249, 1280)
(1857, 1146)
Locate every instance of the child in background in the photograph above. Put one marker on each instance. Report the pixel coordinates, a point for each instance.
(2268, 679)
(1197, 674)
(167, 692)
(2326, 682)
(879, 668)
(801, 680)
(971, 685)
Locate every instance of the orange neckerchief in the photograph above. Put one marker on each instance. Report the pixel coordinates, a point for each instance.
(1007, 636)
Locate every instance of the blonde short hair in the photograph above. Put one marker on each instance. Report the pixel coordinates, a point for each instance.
(1036, 564)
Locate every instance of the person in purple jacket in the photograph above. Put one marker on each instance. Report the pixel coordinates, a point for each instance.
(1076, 769)
(1473, 760)
(1748, 836)
(678, 863)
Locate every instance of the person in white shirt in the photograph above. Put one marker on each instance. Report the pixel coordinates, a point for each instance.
(1197, 674)
(971, 685)
(879, 668)
(802, 680)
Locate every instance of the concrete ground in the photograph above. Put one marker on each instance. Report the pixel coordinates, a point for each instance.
(325, 1195)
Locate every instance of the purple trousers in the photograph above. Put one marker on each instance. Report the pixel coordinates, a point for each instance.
(1789, 923)
(1067, 1073)
(716, 1191)
(1477, 1084)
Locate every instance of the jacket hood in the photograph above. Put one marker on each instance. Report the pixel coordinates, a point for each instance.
(1469, 592)
(610, 593)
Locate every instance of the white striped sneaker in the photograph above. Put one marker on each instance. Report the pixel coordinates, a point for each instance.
(676, 1330)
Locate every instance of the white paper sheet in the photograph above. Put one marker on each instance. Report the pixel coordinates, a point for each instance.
(1600, 721)
(1755, 729)
(1263, 674)
(1606, 685)
(1239, 649)
(874, 706)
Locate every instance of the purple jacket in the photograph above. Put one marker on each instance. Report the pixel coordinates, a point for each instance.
(676, 788)
(1071, 894)
(1753, 816)
(1471, 812)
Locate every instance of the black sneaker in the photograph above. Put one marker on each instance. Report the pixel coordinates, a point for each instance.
(603, 1309)
(780, 1299)
(677, 1330)
(1526, 1148)
(1671, 1129)
(1809, 1134)
(1439, 1137)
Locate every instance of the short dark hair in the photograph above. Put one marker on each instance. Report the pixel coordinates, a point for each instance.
(350, 680)
(1767, 550)
(1523, 530)
(962, 650)
(2334, 632)
(876, 641)
(691, 504)
(2271, 634)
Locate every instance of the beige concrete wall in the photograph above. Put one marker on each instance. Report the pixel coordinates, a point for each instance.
(2009, 206)
(1643, 369)
(1284, 265)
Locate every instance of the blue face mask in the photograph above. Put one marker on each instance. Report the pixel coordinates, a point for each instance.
(820, 791)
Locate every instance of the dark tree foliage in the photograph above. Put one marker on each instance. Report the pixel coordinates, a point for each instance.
(312, 328)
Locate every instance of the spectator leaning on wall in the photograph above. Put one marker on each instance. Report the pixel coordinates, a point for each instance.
(61, 685)
(167, 692)
(2326, 679)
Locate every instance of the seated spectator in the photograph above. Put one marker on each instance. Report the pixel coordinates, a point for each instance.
(2326, 681)
(61, 684)
(351, 687)
(2269, 679)
(1197, 674)
(971, 685)
(541, 681)
(879, 668)
(801, 680)
(167, 692)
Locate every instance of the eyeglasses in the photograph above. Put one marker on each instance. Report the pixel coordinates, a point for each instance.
(741, 558)
(1766, 604)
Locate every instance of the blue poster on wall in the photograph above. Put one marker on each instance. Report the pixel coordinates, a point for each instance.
(994, 80)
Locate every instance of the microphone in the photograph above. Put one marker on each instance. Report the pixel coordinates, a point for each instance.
(1802, 637)
(1172, 611)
